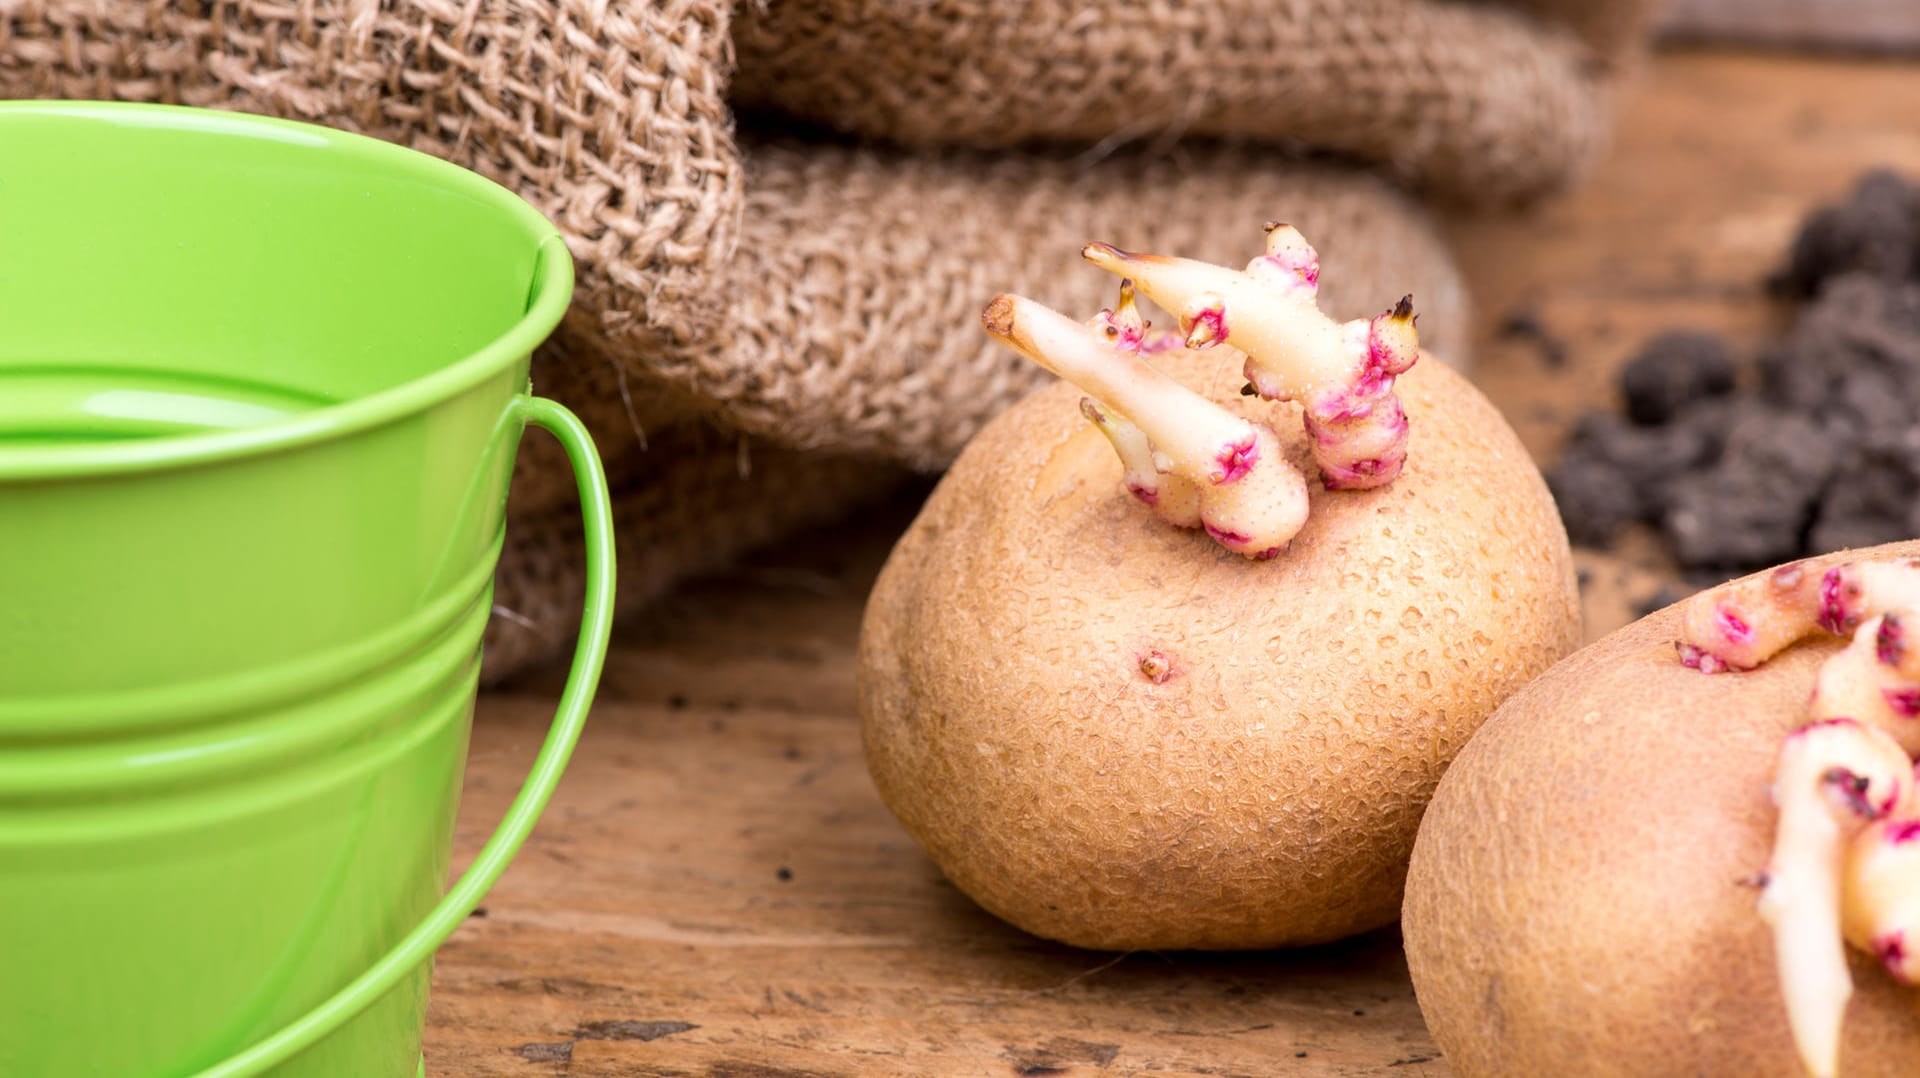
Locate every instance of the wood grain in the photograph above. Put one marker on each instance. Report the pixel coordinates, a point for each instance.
(717, 891)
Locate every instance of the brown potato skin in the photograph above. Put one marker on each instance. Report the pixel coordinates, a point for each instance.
(1576, 903)
(1267, 792)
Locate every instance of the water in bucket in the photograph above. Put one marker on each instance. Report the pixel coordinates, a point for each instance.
(51, 404)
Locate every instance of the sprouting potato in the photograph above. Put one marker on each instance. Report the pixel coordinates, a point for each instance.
(1717, 874)
(1176, 651)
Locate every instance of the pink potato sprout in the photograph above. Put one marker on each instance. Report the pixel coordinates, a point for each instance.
(1876, 679)
(1193, 461)
(1196, 464)
(1342, 373)
(1881, 916)
(1742, 625)
(1834, 777)
(1845, 865)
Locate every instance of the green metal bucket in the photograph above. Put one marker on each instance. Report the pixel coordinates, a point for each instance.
(261, 387)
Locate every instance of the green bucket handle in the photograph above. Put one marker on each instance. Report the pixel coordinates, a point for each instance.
(588, 657)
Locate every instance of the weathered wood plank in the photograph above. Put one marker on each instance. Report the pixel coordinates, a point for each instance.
(717, 891)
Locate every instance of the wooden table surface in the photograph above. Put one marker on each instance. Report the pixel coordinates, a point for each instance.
(717, 891)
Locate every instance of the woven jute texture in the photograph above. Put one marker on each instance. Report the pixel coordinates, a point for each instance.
(697, 499)
(832, 306)
(620, 400)
(1481, 103)
(827, 301)
(856, 292)
(610, 118)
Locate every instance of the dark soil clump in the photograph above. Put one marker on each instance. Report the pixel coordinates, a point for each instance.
(1874, 230)
(1674, 370)
(1739, 468)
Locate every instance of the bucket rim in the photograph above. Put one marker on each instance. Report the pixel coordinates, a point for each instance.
(549, 294)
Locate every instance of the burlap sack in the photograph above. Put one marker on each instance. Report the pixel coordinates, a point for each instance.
(857, 287)
(834, 309)
(854, 326)
(622, 402)
(697, 499)
(1479, 102)
(610, 118)
(837, 314)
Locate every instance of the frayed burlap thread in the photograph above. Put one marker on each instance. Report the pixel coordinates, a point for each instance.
(1481, 103)
(622, 404)
(696, 500)
(855, 295)
(609, 118)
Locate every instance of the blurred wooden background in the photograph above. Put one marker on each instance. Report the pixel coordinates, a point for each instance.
(1861, 25)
